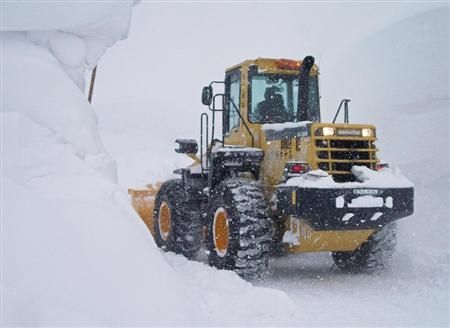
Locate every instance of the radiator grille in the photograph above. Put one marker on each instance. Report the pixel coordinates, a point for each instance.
(337, 156)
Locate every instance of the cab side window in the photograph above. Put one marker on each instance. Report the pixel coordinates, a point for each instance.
(233, 88)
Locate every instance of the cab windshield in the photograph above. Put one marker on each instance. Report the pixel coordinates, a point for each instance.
(274, 98)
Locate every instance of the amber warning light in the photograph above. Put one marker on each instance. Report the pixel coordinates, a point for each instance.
(287, 64)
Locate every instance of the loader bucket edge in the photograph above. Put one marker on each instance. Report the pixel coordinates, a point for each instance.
(143, 201)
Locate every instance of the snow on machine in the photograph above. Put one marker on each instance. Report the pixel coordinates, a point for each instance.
(277, 180)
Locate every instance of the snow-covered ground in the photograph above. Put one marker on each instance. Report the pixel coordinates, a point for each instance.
(73, 252)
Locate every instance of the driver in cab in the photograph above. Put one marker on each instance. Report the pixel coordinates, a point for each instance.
(272, 109)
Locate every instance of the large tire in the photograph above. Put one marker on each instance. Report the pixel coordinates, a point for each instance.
(239, 230)
(177, 228)
(373, 255)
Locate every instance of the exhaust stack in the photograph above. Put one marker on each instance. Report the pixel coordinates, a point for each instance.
(303, 111)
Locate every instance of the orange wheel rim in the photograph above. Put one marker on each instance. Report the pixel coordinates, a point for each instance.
(164, 221)
(221, 232)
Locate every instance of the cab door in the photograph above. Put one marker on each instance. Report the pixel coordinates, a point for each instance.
(231, 120)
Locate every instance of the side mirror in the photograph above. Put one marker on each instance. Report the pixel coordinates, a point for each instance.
(207, 95)
(186, 146)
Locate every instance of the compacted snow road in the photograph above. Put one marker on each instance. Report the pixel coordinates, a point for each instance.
(326, 296)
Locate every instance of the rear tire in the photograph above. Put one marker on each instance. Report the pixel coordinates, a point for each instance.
(176, 227)
(373, 255)
(239, 230)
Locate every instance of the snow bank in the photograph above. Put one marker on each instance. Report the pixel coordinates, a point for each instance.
(36, 15)
(77, 254)
(35, 84)
(398, 80)
(77, 35)
(73, 251)
(367, 178)
(38, 40)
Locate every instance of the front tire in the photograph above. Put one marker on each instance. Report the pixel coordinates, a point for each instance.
(373, 255)
(176, 229)
(239, 230)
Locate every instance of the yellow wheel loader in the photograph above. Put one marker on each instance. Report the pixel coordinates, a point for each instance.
(277, 179)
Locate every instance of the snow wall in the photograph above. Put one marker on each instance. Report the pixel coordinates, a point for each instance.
(73, 252)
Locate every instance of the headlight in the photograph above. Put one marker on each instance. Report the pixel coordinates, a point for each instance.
(366, 132)
(327, 131)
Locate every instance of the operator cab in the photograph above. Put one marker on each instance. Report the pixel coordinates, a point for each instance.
(264, 91)
(267, 90)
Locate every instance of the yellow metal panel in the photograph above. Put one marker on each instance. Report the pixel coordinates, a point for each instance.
(143, 201)
(318, 241)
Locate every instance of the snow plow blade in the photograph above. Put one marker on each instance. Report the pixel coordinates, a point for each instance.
(143, 201)
(346, 208)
